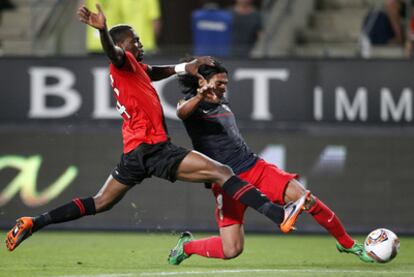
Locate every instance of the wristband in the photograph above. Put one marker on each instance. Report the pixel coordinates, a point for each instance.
(180, 68)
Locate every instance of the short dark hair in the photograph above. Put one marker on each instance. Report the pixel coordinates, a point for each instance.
(118, 32)
(189, 83)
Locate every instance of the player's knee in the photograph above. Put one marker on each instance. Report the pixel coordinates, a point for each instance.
(223, 170)
(220, 173)
(310, 202)
(226, 171)
(102, 204)
(231, 252)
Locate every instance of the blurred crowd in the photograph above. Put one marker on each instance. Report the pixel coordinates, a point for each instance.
(391, 25)
(233, 30)
(217, 31)
(144, 16)
(226, 28)
(226, 32)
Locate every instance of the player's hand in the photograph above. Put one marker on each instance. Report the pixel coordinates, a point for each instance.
(96, 20)
(205, 91)
(192, 67)
(202, 88)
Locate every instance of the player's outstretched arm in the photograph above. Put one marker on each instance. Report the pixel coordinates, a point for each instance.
(192, 67)
(186, 107)
(98, 21)
(157, 73)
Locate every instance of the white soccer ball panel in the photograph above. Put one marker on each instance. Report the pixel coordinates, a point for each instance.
(382, 245)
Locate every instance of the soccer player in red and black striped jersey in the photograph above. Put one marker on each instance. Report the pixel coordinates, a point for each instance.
(213, 130)
(147, 147)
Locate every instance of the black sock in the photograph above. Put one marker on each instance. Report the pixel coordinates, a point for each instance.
(249, 195)
(70, 211)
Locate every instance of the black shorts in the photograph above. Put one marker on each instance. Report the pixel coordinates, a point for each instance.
(161, 160)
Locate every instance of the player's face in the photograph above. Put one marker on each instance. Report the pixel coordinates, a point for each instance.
(219, 83)
(132, 44)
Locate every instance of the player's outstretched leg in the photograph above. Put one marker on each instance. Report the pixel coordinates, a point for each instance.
(356, 249)
(21, 231)
(26, 226)
(177, 254)
(330, 221)
(292, 211)
(110, 194)
(196, 167)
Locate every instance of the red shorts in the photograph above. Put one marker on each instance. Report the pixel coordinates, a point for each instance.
(268, 178)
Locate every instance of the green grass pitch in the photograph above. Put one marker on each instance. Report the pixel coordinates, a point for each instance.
(111, 254)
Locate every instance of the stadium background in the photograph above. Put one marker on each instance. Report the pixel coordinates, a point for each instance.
(343, 124)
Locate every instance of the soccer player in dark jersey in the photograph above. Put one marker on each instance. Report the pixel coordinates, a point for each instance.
(147, 148)
(212, 128)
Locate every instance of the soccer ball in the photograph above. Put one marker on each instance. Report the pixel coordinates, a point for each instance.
(382, 245)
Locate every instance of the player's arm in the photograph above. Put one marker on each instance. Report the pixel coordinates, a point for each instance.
(157, 73)
(186, 107)
(98, 21)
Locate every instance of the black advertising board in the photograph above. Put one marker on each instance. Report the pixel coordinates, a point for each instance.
(366, 180)
(343, 125)
(263, 93)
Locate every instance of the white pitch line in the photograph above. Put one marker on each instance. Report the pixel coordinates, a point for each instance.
(313, 271)
(102, 275)
(236, 271)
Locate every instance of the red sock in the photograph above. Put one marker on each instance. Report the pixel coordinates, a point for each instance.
(209, 247)
(327, 218)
